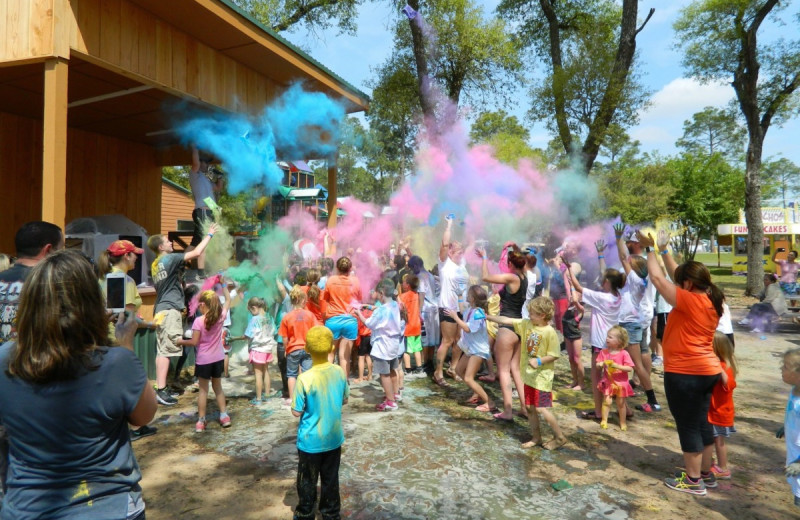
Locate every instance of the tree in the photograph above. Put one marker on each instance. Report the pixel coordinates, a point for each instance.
(714, 130)
(473, 55)
(589, 47)
(781, 179)
(707, 191)
(721, 42)
(314, 15)
(489, 124)
(638, 190)
(617, 145)
(177, 174)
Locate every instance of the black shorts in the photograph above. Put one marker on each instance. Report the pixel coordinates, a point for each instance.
(199, 216)
(211, 371)
(661, 324)
(365, 347)
(444, 318)
(571, 327)
(689, 397)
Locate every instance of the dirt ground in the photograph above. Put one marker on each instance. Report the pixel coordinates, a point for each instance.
(438, 459)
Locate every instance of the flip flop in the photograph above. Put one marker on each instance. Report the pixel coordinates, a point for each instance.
(488, 379)
(441, 382)
(590, 415)
(499, 417)
(484, 408)
(522, 415)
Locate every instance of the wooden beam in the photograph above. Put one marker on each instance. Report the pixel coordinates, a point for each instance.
(54, 146)
(332, 174)
(110, 95)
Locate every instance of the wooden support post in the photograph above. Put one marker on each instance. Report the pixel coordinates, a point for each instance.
(332, 175)
(54, 145)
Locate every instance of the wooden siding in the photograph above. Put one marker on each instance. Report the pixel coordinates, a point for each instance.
(28, 29)
(120, 34)
(20, 175)
(175, 205)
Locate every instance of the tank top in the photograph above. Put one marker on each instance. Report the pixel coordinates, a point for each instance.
(511, 304)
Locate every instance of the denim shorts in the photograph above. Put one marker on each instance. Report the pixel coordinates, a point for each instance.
(296, 360)
(634, 331)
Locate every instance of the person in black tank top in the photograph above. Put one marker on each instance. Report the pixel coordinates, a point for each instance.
(507, 344)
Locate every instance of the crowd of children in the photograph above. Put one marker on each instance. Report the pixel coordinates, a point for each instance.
(394, 334)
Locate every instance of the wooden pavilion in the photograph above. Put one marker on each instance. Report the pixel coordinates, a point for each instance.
(83, 90)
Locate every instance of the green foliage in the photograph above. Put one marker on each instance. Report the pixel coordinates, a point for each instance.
(313, 15)
(638, 190)
(781, 180)
(714, 130)
(177, 174)
(489, 124)
(708, 192)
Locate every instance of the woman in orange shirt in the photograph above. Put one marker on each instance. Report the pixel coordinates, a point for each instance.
(691, 369)
(342, 293)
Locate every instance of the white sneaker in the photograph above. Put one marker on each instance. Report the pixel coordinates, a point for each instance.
(757, 330)
(744, 321)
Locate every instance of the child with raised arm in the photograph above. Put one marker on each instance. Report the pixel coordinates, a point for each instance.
(616, 365)
(721, 412)
(387, 326)
(540, 350)
(474, 343)
(318, 398)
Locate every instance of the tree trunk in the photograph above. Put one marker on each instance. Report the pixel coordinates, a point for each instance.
(559, 98)
(752, 215)
(421, 61)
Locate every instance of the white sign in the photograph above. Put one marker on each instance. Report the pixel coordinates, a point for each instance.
(768, 216)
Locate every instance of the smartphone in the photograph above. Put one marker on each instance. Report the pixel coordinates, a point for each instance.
(781, 249)
(115, 292)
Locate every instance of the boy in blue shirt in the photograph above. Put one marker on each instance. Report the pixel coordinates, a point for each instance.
(318, 399)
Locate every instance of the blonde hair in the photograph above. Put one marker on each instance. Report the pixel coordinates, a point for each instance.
(544, 306)
(5, 262)
(724, 351)
(622, 335)
(791, 359)
(212, 315)
(319, 340)
(297, 296)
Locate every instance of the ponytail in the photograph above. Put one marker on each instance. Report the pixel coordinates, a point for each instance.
(717, 298)
(104, 264)
(312, 278)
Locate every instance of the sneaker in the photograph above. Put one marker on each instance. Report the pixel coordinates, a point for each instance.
(165, 398)
(657, 361)
(744, 321)
(225, 422)
(200, 426)
(757, 330)
(682, 483)
(648, 408)
(387, 406)
(721, 474)
(286, 402)
(147, 431)
(709, 479)
(398, 397)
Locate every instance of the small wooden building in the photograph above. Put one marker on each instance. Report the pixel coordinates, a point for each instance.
(83, 90)
(177, 205)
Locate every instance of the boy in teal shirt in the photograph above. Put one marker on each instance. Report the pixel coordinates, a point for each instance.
(318, 399)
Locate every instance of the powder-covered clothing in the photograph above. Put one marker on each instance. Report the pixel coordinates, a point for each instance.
(476, 341)
(429, 290)
(387, 331)
(72, 458)
(294, 327)
(614, 381)
(317, 309)
(340, 293)
(530, 291)
(202, 188)
(410, 301)
(319, 394)
(165, 271)
(261, 331)
(721, 410)
(537, 342)
(774, 296)
(209, 347)
(453, 280)
(631, 293)
(791, 428)
(11, 282)
(788, 271)
(493, 306)
(689, 335)
(605, 314)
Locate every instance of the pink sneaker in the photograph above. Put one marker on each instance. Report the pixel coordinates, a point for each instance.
(225, 422)
(387, 406)
(721, 474)
(398, 397)
(200, 426)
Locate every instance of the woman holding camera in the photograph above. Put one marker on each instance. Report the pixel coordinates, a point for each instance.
(66, 400)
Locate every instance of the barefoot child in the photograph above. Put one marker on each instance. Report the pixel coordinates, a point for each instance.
(616, 365)
(387, 328)
(474, 343)
(207, 337)
(540, 350)
(790, 371)
(318, 398)
(720, 413)
(262, 346)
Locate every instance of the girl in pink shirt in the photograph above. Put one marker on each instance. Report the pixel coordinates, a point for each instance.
(207, 337)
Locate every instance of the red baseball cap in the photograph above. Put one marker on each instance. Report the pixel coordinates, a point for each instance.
(121, 247)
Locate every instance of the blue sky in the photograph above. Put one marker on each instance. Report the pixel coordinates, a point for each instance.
(675, 98)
